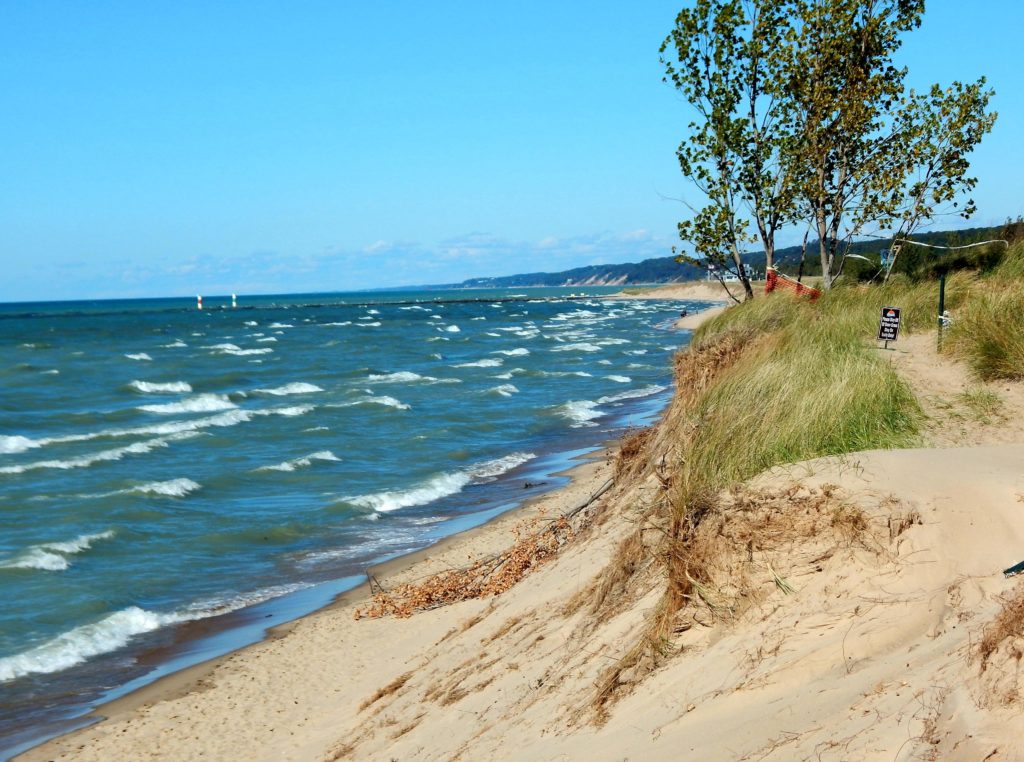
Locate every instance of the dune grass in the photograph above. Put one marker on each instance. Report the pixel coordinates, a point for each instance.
(780, 380)
(989, 332)
(769, 382)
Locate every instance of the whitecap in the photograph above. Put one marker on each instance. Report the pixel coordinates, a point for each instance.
(453, 329)
(619, 379)
(170, 488)
(519, 352)
(175, 344)
(281, 325)
(12, 444)
(296, 387)
(582, 346)
(84, 461)
(158, 387)
(581, 412)
(402, 376)
(487, 363)
(52, 556)
(77, 545)
(375, 324)
(37, 558)
(505, 390)
(388, 402)
(347, 322)
(266, 339)
(251, 323)
(201, 403)
(373, 312)
(439, 486)
(81, 643)
(291, 465)
(246, 352)
(629, 394)
(52, 372)
(288, 412)
(139, 356)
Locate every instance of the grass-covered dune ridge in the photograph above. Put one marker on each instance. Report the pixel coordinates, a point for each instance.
(779, 380)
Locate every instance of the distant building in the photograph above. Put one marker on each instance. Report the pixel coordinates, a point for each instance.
(730, 277)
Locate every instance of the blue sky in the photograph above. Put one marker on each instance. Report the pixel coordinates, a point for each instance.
(152, 149)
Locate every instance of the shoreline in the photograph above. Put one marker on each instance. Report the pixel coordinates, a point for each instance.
(491, 536)
(584, 477)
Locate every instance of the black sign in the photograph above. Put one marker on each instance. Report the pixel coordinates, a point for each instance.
(889, 328)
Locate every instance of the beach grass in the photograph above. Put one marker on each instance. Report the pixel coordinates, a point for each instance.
(989, 332)
(780, 380)
(770, 382)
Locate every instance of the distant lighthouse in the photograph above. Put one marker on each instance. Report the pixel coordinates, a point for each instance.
(199, 302)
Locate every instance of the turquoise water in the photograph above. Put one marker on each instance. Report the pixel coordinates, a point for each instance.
(161, 465)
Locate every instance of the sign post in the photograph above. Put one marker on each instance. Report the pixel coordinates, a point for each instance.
(889, 326)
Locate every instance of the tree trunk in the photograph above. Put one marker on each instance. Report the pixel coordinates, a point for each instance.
(742, 272)
(824, 252)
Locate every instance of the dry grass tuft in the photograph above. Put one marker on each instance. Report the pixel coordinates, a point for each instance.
(1008, 624)
(629, 459)
(387, 690)
(484, 578)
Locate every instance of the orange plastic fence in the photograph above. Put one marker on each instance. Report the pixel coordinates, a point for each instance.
(775, 280)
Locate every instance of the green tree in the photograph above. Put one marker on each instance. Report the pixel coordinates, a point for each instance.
(940, 129)
(802, 114)
(723, 57)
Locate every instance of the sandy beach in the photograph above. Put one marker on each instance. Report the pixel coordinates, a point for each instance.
(858, 643)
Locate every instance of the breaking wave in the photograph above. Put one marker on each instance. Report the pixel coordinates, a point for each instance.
(298, 387)
(203, 403)
(155, 387)
(440, 486)
(52, 556)
(291, 465)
